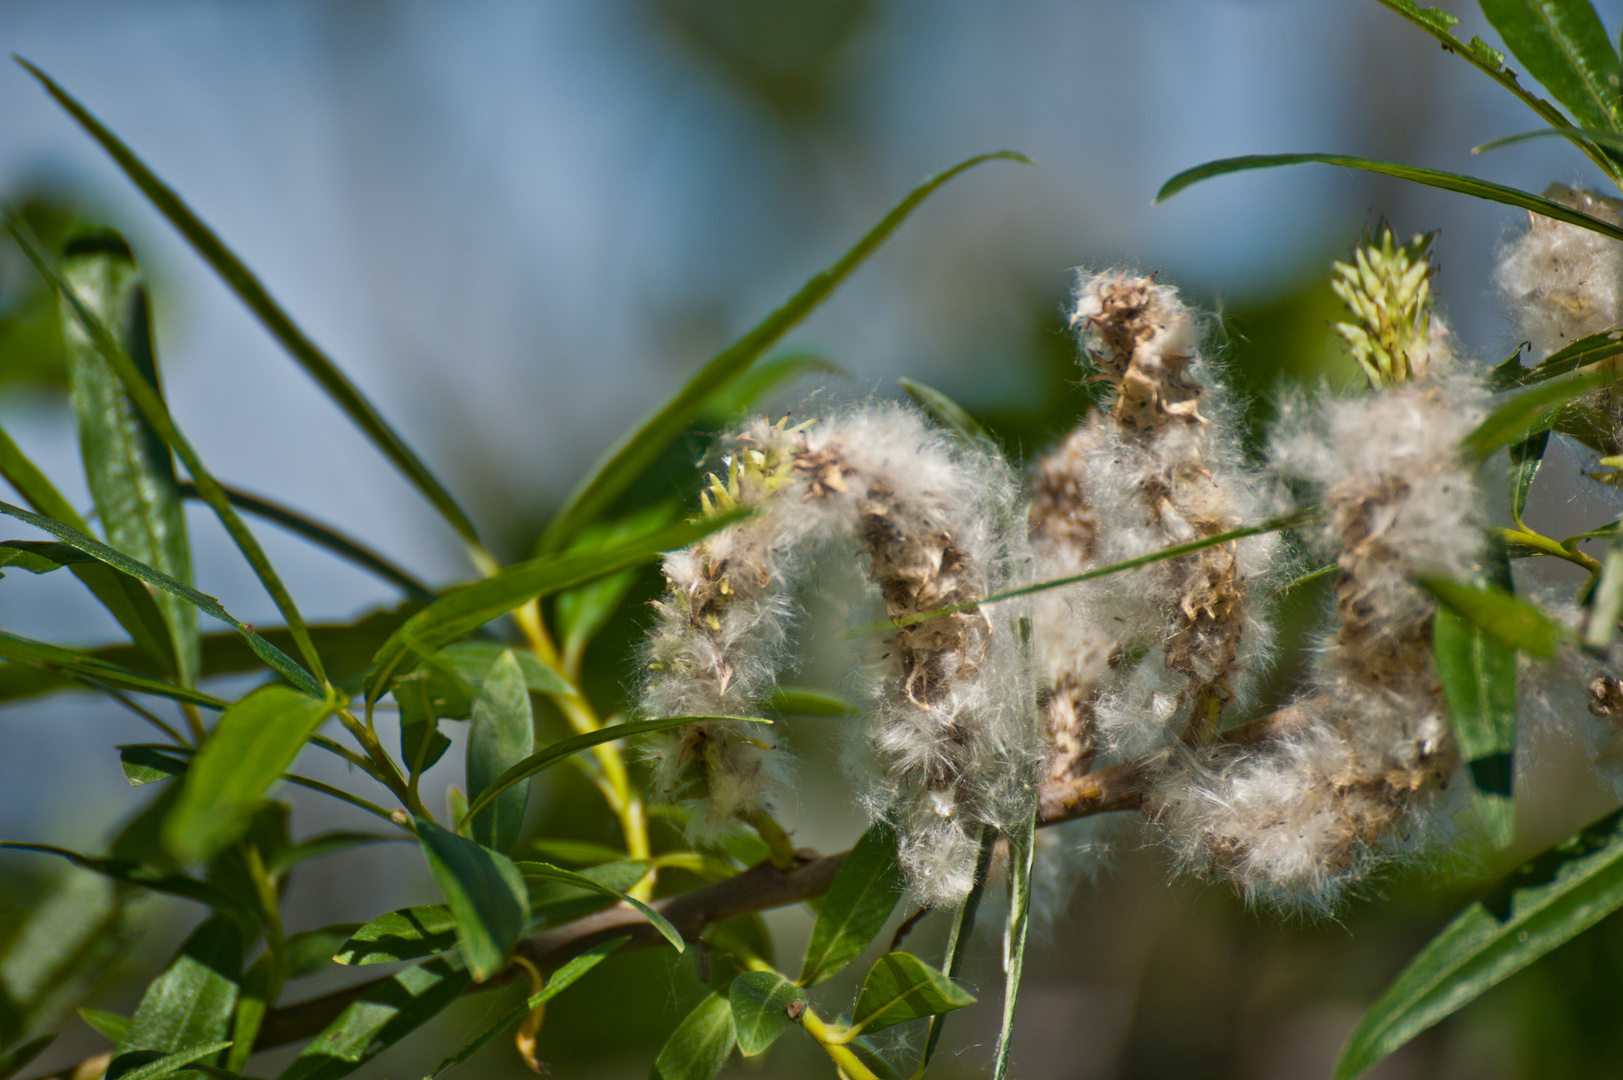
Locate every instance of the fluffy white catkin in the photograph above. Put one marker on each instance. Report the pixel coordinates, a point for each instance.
(1562, 282)
(1344, 777)
(950, 744)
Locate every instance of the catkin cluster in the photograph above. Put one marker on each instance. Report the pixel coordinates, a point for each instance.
(951, 743)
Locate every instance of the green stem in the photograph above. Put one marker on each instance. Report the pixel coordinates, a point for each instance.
(1545, 546)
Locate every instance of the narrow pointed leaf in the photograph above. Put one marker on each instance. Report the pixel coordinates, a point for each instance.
(860, 899)
(260, 985)
(13, 1060)
(1530, 411)
(135, 873)
(59, 946)
(384, 1014)
(1525, 458)
(700, 1045)
(630, 457)
(406, 934)
(28, 651)
(470, 663)
(109, 1025)
(485, 892)
(129, 470)
(901, 987)
(37, 491)
(557, 983)
(963, 926)
(805, 701)
(761, 1001)
(1021, 849)
(563, 748)
(548, 872)
(582, 613)
(190, 1004)
(1465, 185)
(1545, 903)
(576, 851)
(1512, 621)
(1563, 45)
(153, 410)
(1580, 354)
(761, 379)
(148, 765)
(500, 735)
(145, 1066)
(255, 741)
(249, 289)
(950, 414)
(465, 610)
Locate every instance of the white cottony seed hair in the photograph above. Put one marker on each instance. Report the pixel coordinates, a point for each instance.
(951, 742)
(1562, 282)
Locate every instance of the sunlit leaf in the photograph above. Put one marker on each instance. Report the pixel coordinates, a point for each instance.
(500, 735)
(385, 1013)
(485, 892)
(148, 765)
(255, 741)
(190, 1004)
(700, 1045)
(950, 414)
(860, 899)
(1465, 185)
(406, 934)
(1580, 354)
(805, 701)
(1545, 903)
(548, 872)
(635, 450)
(58, 947)
(901, 987)
(1529, 412)
(109, 1025)
(1513, 621)
(257, 991)
(761, 1001)
(1563, 45)
(54, 657)
(150, 1065)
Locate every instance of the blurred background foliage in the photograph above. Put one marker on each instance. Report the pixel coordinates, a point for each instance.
(518, 226)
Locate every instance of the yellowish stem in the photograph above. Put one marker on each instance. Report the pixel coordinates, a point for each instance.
(777, 840)
(1545, 546)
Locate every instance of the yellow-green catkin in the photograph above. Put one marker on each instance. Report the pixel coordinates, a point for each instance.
(1387, 288)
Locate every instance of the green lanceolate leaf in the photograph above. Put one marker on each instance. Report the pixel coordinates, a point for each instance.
(1580, 354)
(150, 1065)
(156, 414)
(261, 984)
(1478, 674)
(149, 764)
(485, 892)
(421, 742)
(761, 1002)
(249, 289)
(109, 1025)
(700, 1045)
(270, 654)
(190, 1004)
(1465, 185)
(54, 657)
(130, 471)
(324, 536)
(548, 872)
(58, 947)
(465, 610)
(135, 873)
(557, 983)
(1512, 621)
(564, 748)
(406, 934)
(582, 613)
(1022, 846)
(310, 952)
(901, 987)
(805, 701)
(577, 851)
(32, 485)
(385, 1013)
(1525, 458)
(1529, 412)
(1547, 902)
(455, 674)
(255, 741)
(13, 1060)
(950, 414)
(861, 898)
(501, 734)
(630, 457)
(763, 377)
(963, 925)
(1563, 46)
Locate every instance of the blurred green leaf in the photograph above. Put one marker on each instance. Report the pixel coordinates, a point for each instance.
(156, 413)
(635, 450)
(1529, 412)
(1464, 185)
(1514, 622)
(385, 1013)
(548, 872)
(260, 985)
(804, 701)
(109, 1025)
(12, 1061)
(322, 844)
(251, 292)
(1548, 901)
(406, 934)
(190, 1004)
(862, 896)
(485, 892)
(951, 415)
(500, 735)
(456, 672)
(582, 613)
(559, 981)
(563, 748)
(129, 470)
(55, 657)
(465, 610)
(312, 951)
(58, 947)
(151, 1065)
(700, 1045)
(963, 926)
(131, 872)
(32, 485)
(901, 987)
(576, 851)
(253, 743)
(760, 379)
(1563, 45)
(267, 652)
(760, 1002)
(149, 764)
